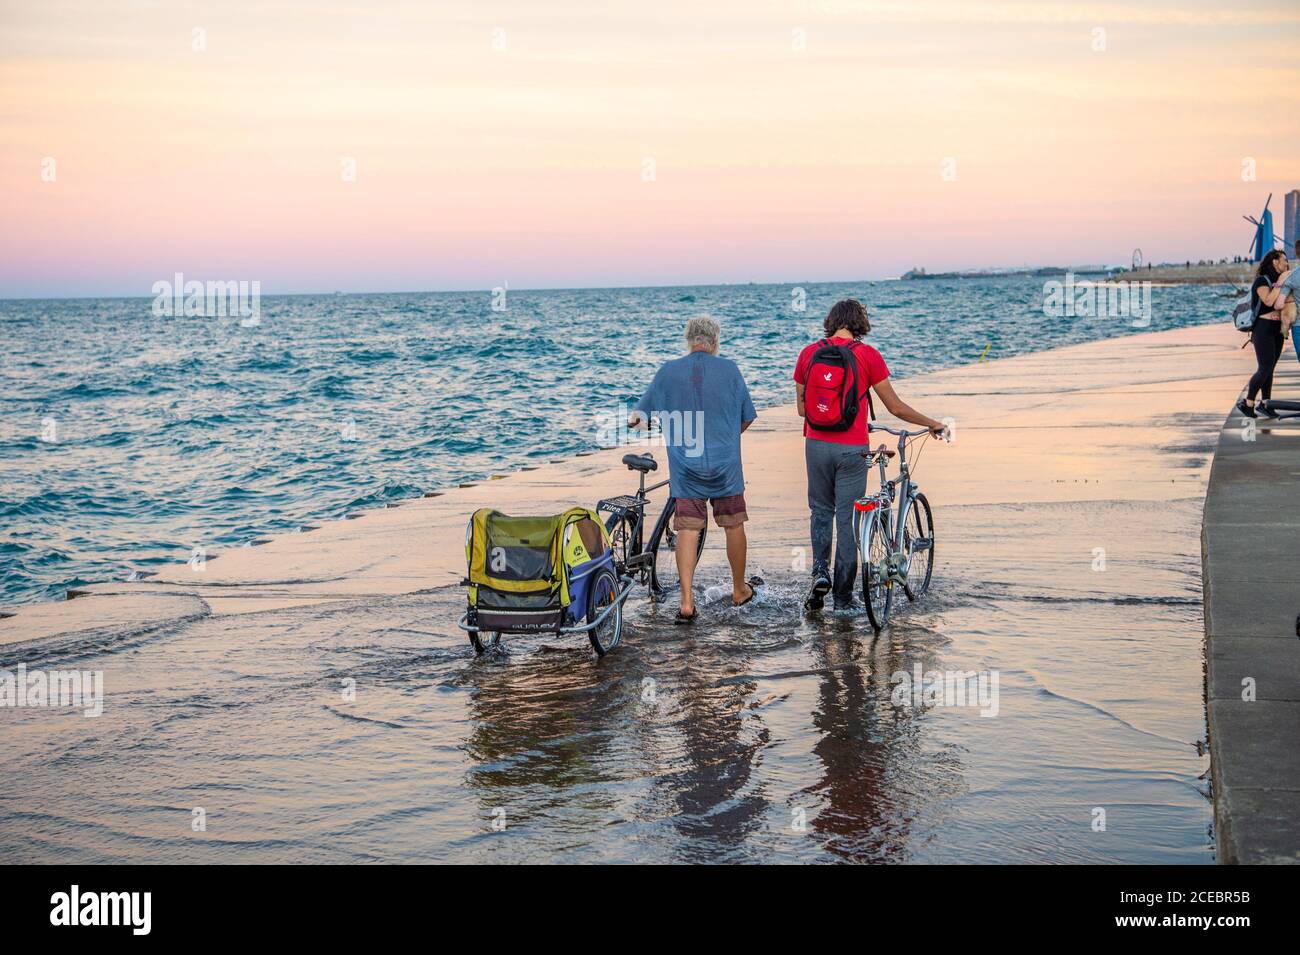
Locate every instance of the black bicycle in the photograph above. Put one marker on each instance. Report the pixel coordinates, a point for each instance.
(652, 562)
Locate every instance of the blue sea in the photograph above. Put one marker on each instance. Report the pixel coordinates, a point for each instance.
(127, 440)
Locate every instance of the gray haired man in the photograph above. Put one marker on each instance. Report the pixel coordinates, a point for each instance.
(703, 405)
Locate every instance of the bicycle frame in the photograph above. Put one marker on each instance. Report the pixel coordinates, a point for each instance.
(880, 506)
(636, 558)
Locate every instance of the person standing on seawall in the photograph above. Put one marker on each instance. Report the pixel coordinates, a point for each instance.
(1266, 297)
(837, 472)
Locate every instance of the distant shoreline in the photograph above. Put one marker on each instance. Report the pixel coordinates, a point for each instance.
(1046, 271)
(1232, 273)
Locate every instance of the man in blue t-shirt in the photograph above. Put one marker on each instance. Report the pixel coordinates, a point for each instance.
(703, 405)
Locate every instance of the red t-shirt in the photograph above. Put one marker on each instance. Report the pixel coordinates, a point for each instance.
(871, 371)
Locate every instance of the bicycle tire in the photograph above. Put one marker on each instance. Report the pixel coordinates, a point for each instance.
(877, 590)
(603, 591)
(622, 530)
(484, 640)
(663, 567)
(919, 524)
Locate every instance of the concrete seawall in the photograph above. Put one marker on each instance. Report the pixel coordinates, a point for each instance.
(1250, 551)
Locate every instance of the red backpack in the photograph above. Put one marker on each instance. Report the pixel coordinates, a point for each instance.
(831, 395)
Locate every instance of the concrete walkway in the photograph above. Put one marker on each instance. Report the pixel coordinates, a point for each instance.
(1250, 546)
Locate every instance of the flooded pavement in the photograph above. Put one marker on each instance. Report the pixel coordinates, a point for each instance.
(312, 700)
(754, 736)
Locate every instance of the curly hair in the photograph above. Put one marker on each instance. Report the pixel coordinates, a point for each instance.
(848, 314)
(1268, 266)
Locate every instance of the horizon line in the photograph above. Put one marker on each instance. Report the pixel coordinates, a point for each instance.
(991, 272)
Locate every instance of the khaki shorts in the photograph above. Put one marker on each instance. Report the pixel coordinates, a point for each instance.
(692, 512)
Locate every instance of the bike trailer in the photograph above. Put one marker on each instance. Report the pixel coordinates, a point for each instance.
(541, 575)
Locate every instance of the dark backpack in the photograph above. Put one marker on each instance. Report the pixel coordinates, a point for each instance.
(1246, 314)
(831, 395)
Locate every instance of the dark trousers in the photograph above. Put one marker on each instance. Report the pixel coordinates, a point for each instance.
(1267, 339)
(837, 476)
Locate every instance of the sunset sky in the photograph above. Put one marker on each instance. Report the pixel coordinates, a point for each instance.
(501, 142)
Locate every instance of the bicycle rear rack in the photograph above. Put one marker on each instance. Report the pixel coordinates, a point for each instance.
(621, 504)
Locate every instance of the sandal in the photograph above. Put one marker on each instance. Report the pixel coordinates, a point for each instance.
(682, 620)
(754, 583)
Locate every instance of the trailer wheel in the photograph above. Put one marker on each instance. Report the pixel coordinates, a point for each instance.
(602, 593)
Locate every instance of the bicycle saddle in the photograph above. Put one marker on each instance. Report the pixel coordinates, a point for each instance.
(640, 462)
(880, 450)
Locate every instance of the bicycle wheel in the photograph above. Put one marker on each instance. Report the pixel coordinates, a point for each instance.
(918, 547)
(877, 592)
(664, 578)
(482, 640)
(602, 593)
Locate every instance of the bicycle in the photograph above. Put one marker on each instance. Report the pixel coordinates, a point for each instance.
(651, 562)
(893, 551)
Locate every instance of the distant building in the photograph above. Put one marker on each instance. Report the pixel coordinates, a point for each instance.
(1291, 220)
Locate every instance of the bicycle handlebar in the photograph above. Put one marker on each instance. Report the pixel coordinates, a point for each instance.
(893, 431)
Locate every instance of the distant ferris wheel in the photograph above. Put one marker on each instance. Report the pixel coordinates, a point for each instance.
(1137, 258)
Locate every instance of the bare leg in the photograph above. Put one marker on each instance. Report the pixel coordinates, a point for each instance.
(687, 542)
(736, 545)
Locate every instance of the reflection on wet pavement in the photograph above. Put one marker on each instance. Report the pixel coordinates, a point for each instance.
(754, 736)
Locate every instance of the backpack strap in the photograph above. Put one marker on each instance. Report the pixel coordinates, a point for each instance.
(871, 408)
(1258, 310)
(853, 364)
(821, 344)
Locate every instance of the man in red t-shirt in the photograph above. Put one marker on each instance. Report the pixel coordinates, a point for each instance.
(837, 473)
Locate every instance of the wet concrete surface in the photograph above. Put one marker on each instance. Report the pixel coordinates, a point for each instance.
(322, 706)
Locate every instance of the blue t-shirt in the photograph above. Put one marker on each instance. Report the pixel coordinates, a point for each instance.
(701, 401)
(1292, 283)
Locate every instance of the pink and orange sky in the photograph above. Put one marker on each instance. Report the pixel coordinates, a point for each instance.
(501, 142)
